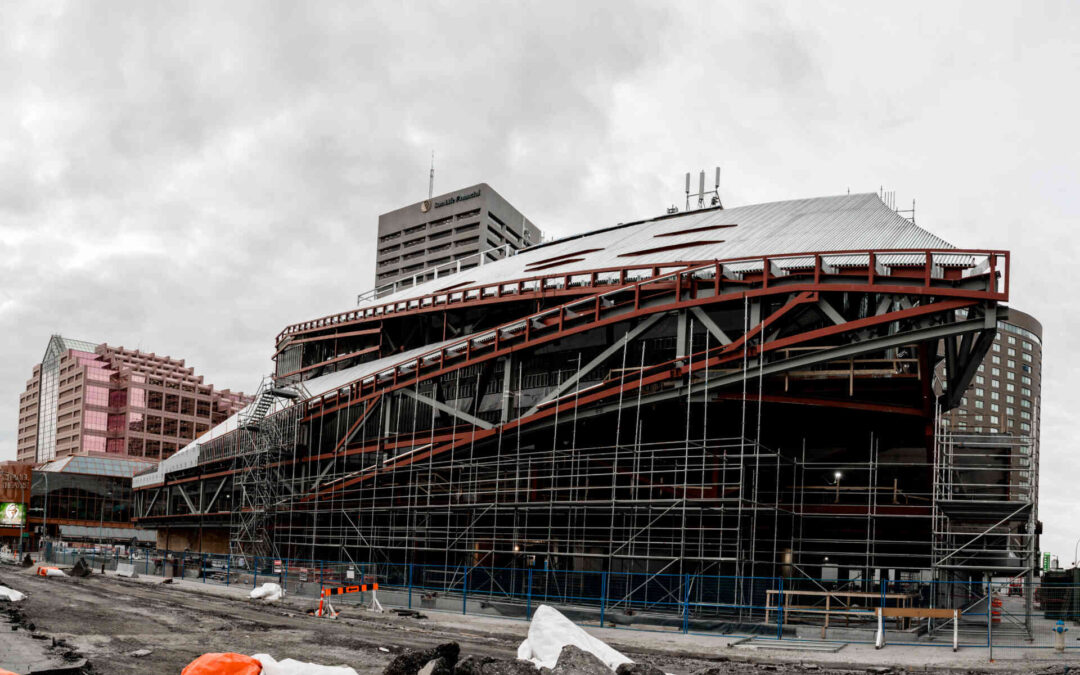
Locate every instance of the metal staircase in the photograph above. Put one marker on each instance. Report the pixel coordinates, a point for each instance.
(264, 433)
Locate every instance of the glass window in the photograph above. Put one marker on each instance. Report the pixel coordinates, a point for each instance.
(1024, 426)
(1009, 386)
(996, 372)
(1027, 345)
(996, 360)
(93, 443)
(994, 407)
(1010, 375)
(97, 374)
(1025, 391)
(95, 420)
(1011, 412)
(993, 419)
(996, 383)
(1025, 402)
(997, 345)
(1011, 352)
(97, 396)
(994, 396)
(980, 392)
(137, 396)
(1010, 399)
(979, 379)
(979, 403)
(1010, 363)
(1027, 357)
(1012, 339)
(1025, 379)
(1025, 415)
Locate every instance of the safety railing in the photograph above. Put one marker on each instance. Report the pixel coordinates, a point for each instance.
(998, 614)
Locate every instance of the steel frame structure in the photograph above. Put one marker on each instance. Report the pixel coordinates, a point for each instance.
(749, 416)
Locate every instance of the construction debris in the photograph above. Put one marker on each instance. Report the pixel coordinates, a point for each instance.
(294, 667)
(411, 662)
(81, 569)
(268, 593)
(576, 661)
(550, 631)
(11, 595)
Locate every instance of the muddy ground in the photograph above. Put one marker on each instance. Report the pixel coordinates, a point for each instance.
(106, 618)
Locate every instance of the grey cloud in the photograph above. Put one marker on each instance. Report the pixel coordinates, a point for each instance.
(192, 177)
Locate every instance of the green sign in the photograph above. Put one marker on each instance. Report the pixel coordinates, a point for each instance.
(12, 514)
(1046, 562)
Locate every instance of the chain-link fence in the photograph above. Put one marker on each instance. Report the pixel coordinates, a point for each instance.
(994, 614)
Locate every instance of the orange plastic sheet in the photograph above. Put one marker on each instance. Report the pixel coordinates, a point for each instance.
(223, 664)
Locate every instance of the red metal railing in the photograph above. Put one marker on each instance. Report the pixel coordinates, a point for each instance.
(878, 262)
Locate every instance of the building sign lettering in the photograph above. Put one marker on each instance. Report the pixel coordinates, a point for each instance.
(459, 198)
(15, 483)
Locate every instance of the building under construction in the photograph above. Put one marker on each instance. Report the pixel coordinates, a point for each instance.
(749, 392)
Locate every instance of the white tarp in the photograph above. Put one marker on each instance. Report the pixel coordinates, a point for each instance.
(10, 594)
(53, 572)
(293, 667)
(550, 631)
(266, 593)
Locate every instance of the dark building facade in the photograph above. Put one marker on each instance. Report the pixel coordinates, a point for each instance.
(448, 233)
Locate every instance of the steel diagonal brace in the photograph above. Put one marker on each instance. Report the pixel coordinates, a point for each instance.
(669, 371)
(449, 410)
(358, 423)
(186, 499)
(632, 334)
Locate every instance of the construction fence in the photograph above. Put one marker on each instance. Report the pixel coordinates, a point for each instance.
(999, 614)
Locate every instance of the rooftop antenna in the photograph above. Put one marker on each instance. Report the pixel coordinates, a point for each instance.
(714, 199)
(431, 177)
(716, 191)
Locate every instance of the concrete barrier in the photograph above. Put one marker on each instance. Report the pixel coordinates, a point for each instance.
(126, 570)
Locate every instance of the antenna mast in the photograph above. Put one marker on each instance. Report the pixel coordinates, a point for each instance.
(431, 177)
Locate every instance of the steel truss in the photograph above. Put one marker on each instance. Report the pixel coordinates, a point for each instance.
(747, 417)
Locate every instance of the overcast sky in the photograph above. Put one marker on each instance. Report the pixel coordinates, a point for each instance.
(188, 178)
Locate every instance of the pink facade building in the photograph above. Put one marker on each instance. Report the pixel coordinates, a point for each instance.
(86, 398)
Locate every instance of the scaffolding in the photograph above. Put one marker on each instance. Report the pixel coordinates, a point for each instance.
(985, 516)
(721, 419)
(262, 438)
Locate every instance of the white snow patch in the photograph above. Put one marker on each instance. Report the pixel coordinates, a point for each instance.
(10, 594)
(293, 667)
(550, 631)
(267, 593)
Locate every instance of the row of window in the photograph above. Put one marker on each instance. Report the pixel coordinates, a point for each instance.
(1017, 330)
(992, 419)
(1009, 386)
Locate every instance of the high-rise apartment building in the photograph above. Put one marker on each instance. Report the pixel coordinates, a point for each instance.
(1004, 395)
(454, 231)
(95, 398)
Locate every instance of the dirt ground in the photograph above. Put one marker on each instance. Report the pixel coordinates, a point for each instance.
(106, 618)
